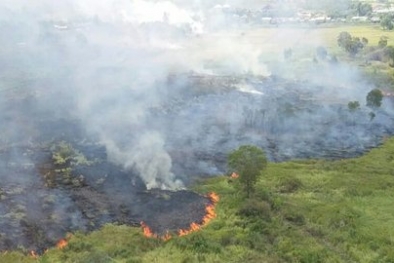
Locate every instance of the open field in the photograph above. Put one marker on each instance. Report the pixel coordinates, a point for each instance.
(240, 48)
(273, 39)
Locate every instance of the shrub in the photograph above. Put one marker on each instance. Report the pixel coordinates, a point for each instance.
(289, 184)
(197, 243)
(255, 208)
(294, 217)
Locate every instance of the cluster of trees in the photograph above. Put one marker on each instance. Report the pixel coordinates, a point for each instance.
(362, 9)
(340, 8)
(374, 101)
(352, 45)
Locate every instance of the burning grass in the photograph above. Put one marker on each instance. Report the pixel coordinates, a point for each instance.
(342, 213)
(194, 226)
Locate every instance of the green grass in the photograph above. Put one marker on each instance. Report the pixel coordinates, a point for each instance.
(302, 211)
(269, 44)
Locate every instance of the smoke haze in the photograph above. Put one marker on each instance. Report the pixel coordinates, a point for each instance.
(155, 81)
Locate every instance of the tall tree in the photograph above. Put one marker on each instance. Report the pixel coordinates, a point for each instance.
(353, 106)
(374, 98)
(387, 22)
(352, 45)
(389, 53)
(248, 162)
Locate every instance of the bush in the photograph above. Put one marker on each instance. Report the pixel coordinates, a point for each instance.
(228, 239)
(255, 208)
(94, 256)
(294, 217)
(374, 98)
(198, 243)
(289, 185)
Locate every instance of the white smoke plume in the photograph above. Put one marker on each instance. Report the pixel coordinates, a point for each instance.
(114, 58)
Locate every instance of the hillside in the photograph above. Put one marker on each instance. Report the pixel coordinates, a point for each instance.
(303, 211)
(116, 130)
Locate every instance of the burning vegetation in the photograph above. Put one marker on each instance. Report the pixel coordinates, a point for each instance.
(194, 226)
(79, 187)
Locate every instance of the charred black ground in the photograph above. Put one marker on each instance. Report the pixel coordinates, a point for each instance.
(42, 201)
(56, 177)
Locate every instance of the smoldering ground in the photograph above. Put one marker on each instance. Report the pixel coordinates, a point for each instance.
(131, 101)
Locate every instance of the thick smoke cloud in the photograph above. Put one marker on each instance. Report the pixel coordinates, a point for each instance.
(134, 74)
(154, 94)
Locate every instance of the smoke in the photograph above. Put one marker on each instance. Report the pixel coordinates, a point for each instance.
(165, 84)
(154, 94)
(149, 158)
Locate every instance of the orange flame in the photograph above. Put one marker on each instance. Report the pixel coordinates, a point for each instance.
(147, 231)
(62, 243)
(166, 237)
(214, 198)
(234, 175)
(209, 215)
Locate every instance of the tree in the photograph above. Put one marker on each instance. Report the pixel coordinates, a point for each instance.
(337, 8)
(351, 45)
(353, 106)
(343, 39)
(363, 9)
(387, 22)
(382, 42)
(374, 98)
(389, 53)
(248, 162)
(365, 41)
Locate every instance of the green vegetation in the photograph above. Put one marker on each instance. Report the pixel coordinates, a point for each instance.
(374, 98)
(352, 45)
(353, 105)
(248, 162)
(301, 211)
(387, 22)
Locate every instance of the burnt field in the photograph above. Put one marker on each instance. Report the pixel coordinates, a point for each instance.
(58, 175)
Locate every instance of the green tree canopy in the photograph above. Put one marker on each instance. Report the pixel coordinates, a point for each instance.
(382, 41)
(387, 22)
(352, 45)
(247, 161)
(353, 105)
(362, 9)
(374, 98)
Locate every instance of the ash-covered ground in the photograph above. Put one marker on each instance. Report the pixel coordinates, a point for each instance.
(57, 177)
(288, 119)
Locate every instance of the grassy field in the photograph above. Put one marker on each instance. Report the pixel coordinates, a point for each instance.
(302, 211)
(253, 49)
(274, 39)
